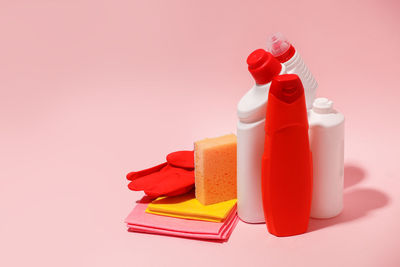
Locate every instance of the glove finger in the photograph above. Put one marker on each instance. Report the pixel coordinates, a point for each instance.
(135, 175)
(182, 159)
(174, 179)
(146, 182)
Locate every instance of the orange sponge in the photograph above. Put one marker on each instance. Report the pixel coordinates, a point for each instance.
(215, 169)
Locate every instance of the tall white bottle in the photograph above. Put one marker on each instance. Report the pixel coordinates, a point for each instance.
(282, 50)
(327, 146)
(251, 111)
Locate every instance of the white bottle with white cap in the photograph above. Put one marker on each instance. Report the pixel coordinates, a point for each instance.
(251, 111)
(285, 53)
(327, 146)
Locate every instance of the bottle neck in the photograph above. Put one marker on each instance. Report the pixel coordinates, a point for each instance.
(322, 106)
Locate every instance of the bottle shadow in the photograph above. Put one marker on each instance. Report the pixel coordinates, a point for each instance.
(353, 175)
(357, 203)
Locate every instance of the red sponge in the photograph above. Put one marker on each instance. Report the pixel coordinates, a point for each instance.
(174, 177)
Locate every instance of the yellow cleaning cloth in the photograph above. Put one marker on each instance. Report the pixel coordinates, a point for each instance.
(188, 207)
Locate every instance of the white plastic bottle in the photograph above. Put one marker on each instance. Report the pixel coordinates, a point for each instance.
(251, 111)
(282, 50)
(327, 146)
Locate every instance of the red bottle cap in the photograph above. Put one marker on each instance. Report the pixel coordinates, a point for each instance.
(287, 87)
(287, 55)
(263, 66)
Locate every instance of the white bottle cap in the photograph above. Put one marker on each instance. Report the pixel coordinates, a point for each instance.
(322, 105)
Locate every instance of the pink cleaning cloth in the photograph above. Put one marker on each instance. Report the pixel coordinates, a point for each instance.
(140, 221)
(223, 236)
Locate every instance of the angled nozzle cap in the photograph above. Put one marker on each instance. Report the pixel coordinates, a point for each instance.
(279, 47)
(263, 66)
(287, 87)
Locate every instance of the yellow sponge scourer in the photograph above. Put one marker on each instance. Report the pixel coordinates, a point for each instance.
(215, 169)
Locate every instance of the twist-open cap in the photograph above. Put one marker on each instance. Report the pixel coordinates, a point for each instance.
(263, 66)
(322, 105)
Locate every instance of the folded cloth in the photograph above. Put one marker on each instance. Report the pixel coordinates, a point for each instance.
(171, 178)
(140, 221)
(188, 207)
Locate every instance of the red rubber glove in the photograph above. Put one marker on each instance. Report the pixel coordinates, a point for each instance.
(172, 178)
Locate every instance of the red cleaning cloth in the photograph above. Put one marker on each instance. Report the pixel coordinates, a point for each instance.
(172, 178)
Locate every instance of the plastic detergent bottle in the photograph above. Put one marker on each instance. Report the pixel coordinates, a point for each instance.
(282, 50)
(287, 159)
(250, 135)
(327, 146)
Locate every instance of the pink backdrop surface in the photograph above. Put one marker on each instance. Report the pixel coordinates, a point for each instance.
(90, 90)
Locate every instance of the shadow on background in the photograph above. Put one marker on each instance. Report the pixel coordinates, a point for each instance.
(145, 199)
(357, 203)
(353, 175)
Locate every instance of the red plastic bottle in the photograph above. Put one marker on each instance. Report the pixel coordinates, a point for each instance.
(287, 160)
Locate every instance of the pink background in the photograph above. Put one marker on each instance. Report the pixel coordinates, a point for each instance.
(90, 90)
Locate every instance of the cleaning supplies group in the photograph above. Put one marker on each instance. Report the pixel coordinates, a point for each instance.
(173, 208)
(285, 165)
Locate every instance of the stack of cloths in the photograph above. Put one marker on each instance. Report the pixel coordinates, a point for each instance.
(184, 216)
